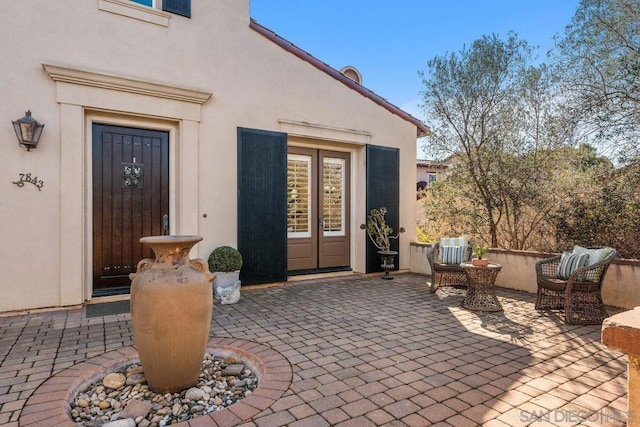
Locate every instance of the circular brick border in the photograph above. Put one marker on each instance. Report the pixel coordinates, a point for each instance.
(49, 403)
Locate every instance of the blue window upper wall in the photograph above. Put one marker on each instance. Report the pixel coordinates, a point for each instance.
(144, 2)
(179, 7)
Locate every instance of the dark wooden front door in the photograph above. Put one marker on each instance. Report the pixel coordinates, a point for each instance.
(130, 200)
(317, 209)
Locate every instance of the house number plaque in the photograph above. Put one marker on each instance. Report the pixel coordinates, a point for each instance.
(132, 175)
(26, 177)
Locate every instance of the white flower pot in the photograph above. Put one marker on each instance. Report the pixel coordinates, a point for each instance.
(226, 287)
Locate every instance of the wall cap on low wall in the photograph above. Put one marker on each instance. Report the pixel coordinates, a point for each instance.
(537, 254)
(501, 251)
(622, 331)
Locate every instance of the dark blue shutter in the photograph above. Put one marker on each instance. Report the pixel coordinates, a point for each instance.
(262, 205)
(179, 7)
(383, 189)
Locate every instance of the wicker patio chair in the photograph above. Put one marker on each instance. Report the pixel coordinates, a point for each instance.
(579, 296)
(446, 274)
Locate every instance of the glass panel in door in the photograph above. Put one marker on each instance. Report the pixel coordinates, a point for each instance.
(302, 217)
(334, 231)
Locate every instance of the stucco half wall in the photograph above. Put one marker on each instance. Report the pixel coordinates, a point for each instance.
(620, 288)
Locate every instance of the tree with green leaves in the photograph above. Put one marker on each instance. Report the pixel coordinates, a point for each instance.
(493, 117)
(598, 64)
(559, 209)
(608, 215)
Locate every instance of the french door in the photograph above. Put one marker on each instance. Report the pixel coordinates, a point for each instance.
(317, 209)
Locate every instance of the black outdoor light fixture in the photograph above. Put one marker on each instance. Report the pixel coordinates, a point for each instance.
(28, 131)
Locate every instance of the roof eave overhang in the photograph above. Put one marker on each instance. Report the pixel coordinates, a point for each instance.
(422, 129)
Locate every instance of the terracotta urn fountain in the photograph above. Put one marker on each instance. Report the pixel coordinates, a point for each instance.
(171, 305)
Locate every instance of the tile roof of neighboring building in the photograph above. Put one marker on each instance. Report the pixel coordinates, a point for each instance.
(306, 56)
(431, 163)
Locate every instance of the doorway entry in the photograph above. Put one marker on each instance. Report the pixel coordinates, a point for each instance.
(317, 210)
(130, 172)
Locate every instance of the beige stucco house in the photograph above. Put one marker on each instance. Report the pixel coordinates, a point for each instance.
(184, 118)
(427, 172)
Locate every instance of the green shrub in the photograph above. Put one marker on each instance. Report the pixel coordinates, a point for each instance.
(423, 236)
(225, 259)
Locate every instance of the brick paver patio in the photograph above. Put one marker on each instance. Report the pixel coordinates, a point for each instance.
(368, 352)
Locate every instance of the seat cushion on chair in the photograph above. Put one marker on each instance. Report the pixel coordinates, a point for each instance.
(595, 255)
(552, 283)
(570, 262)
(452, 255)
(448, 268)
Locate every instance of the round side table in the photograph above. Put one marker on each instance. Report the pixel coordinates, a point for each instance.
(480, 292)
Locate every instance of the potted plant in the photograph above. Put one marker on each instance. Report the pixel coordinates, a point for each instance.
(226, 262)
(478, 261)
(381, 234)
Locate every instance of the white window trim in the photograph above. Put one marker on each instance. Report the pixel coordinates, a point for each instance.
(135, 10)
(303, 234)
(342, 231)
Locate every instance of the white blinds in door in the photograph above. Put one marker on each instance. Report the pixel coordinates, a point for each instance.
(298, 195)
(333, 196)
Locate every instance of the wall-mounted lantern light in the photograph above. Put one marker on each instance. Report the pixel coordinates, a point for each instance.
(28, 131)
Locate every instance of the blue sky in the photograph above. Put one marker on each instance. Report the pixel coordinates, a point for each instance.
(390, 41)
